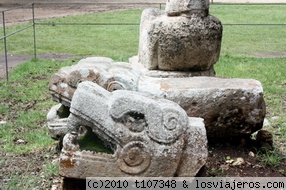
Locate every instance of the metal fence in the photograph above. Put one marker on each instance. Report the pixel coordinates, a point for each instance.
(5, 35)
(34, 22)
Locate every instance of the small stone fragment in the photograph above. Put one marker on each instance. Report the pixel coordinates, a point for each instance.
(251, 154)
(3, 122)
(229, 161)
(239, 161)
(19, 141)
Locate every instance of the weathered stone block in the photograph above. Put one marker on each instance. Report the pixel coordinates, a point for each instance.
(230, 107)
(148, 137)
(179, 43)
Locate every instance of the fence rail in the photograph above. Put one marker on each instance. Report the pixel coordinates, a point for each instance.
(34, 23)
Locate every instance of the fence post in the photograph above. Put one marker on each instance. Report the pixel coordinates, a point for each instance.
(34, 31)
(5, 45)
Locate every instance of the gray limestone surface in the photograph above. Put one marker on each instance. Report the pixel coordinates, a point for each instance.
(230, 107)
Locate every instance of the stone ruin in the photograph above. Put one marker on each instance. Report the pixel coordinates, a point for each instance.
(153, 115)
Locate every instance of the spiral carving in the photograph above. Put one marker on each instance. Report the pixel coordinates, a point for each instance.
(134, 158)
(171, 121)
(167, 127)
(115, 85)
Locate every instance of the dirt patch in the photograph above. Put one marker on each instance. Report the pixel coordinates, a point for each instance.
(222, 156)
(60, 9)
(14, 60)
(29, 166)
(270, 55)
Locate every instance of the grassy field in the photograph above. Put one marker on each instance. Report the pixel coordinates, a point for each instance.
(25, 100)
(121, 41)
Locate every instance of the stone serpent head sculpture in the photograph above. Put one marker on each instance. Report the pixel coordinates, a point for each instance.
(147, 137)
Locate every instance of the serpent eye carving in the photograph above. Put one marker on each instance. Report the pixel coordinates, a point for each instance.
(163, 123)
(131, 114)
(134, 158)
(134, 121)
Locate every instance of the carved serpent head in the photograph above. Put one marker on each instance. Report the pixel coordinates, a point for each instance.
(148, 135)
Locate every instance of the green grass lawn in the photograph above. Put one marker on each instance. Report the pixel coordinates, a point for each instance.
(25, 100)
(121, 41)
